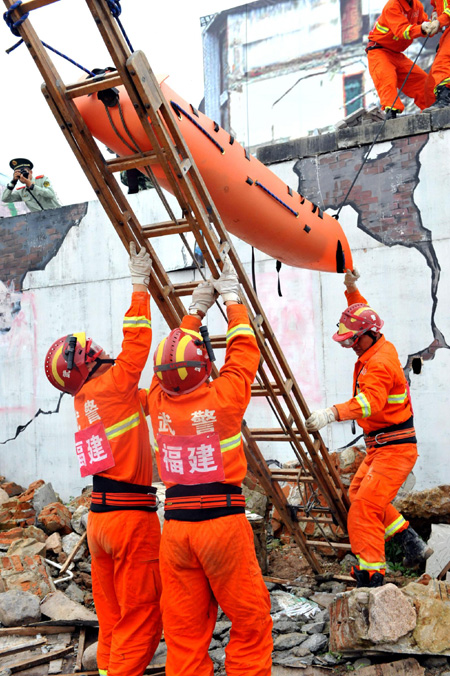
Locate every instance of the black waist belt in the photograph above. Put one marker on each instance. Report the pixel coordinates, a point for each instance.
(203, 501)
(373, 45)
(403, 433)
(109, 495)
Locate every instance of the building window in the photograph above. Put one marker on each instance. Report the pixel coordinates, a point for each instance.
(353, 93)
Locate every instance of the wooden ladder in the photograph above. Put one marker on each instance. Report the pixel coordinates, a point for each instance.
(325, 501)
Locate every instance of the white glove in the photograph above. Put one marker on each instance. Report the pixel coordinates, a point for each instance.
(202, 298)
(435, 27)
(319, 419)
(228, 283)
(140, 265)
(434, 15)
(350, 279)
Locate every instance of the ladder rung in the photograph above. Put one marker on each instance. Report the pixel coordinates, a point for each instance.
(273, 434)
(301, 479)
(336, 545)
(94, 84)
(185, 288)
(132, 161)
(29, 5)
(261, 391)
(310, 518)
(218, 342)
(166, 228)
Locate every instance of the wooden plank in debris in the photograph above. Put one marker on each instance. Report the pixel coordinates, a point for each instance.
(34, 631)
(71, 556)
(23, 646)
(40, 659)
(80, 651)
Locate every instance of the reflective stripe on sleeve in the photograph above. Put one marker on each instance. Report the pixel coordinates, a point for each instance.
(382, 29)
(406, 33)
(364, 403)
(230, 443)
(394, 527)
(397, 398)
(123, 426)
(239, 330)
(137, 322)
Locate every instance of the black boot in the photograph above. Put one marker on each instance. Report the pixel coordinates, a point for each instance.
(416, 551)
(362, 577)
(377, 580)
(442, 99)
(390, 113)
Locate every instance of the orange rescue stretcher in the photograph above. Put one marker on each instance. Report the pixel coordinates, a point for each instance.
(254, 203)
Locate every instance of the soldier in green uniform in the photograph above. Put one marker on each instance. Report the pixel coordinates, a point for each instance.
(36, 193)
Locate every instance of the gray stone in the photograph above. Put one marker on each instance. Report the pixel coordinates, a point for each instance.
(57, 606)
(74, 593)
(391, 615)
(68, 544)
(435, 661)
(217, 655)
(43, 496)
(19, 608)
(6, 672)
(440, 542)
(89, 660)
(54, 543)
(288, 660)
(270, 585)
(159, 658)
(313, 627)
(221, 628)
(362, 662)
(215, 644)
(26, 547)
(305, 592)
(285, 626)
(77, 519)
(84, 566)
(315, 643)
(324, 599)
(281, 670)
(287, 641)
(4, 497)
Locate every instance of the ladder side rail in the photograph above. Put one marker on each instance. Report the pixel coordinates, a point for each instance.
(273, 490)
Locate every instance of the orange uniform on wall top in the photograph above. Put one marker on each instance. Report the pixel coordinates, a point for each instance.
(439, 74)
(395, 29)
(207, 550)
(124, 534)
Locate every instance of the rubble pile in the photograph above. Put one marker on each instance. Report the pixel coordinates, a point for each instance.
(321, 624)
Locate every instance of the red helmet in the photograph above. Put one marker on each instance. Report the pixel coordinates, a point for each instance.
(65, 363)
(182, 362)
(356, 320)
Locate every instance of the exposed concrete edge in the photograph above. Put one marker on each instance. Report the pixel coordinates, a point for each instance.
(351, 137)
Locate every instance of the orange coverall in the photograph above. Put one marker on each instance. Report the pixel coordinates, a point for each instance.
(440, 70)
(207, 553)
(397, 26)
(381, 400)
(124, 542)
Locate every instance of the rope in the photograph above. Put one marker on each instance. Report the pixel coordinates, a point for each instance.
(379, 132)
(283, 204)
(178, 109)
(116, 9)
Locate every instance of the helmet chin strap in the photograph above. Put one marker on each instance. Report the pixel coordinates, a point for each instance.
(99, 362)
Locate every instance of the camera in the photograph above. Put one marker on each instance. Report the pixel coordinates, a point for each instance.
(25, 173)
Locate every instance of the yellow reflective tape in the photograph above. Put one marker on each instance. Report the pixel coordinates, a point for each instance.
(397, 398)
(123, 426)
(394, 527)
(365, 565)
(179, 355)
(103, 672)
(239, 330)
(230, 443)
(364, 403)
(139, 321)
(382, 29)
(406, 34)
(54, 371)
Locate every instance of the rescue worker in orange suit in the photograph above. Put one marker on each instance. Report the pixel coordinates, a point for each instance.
(207, 550)
(113, 437)
(400, 22)
(437, 85)
(382, 407)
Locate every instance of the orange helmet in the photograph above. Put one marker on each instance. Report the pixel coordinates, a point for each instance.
(183, 361)
(356, 320)
(66, 360)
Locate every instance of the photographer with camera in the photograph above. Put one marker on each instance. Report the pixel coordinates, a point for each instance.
(37, 193)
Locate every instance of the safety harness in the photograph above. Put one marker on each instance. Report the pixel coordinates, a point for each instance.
(203, 501)
(402, 433)
(109, 495)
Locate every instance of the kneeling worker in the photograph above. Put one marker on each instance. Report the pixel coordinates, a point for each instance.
(381, 404)
(112, 443)
(207, 549)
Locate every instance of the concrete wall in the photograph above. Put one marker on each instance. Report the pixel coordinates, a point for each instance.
(66, 270)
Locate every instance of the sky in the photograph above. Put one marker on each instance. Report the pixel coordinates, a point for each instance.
(168, 32)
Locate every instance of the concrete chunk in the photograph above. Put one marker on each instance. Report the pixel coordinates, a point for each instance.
(18, 608)
(57, 606)
(409, 667)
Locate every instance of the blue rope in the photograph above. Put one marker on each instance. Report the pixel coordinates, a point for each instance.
(116, 9)
(89, 72)
(283, 204)
(13, 25)
(178, 109)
